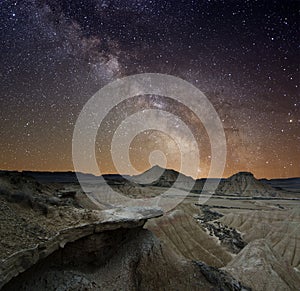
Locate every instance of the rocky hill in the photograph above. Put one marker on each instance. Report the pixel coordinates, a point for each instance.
(245, 184)
(160, 177)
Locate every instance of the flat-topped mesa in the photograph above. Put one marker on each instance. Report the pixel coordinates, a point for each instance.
(245, 184)
(243, 174)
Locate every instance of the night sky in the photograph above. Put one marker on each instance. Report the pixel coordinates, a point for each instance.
(244, 55)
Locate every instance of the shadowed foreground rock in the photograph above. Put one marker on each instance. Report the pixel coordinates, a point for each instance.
(118, 260)
(115, 253)
(38, 248)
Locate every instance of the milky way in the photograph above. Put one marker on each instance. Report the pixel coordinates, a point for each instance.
(242, 54)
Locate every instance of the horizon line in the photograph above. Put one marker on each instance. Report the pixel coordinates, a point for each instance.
(104, 174)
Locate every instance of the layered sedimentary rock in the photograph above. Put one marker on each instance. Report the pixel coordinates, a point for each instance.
(258, 266)
(49, 242)
(280, 228)
(188, 238)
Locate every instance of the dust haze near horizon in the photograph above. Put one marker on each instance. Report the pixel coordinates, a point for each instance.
(54, 56)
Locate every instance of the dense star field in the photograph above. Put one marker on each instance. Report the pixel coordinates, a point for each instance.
(244, 55)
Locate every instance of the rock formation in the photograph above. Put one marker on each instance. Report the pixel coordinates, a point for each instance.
(49, 242)
(245, 184)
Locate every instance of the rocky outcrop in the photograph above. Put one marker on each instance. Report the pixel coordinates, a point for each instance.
(49, 242)
(100, 221)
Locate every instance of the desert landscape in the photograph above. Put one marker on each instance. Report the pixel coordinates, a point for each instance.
(246, 237)
(149, 145)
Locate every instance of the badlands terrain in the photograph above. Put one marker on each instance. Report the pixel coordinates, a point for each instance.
(54, 237)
